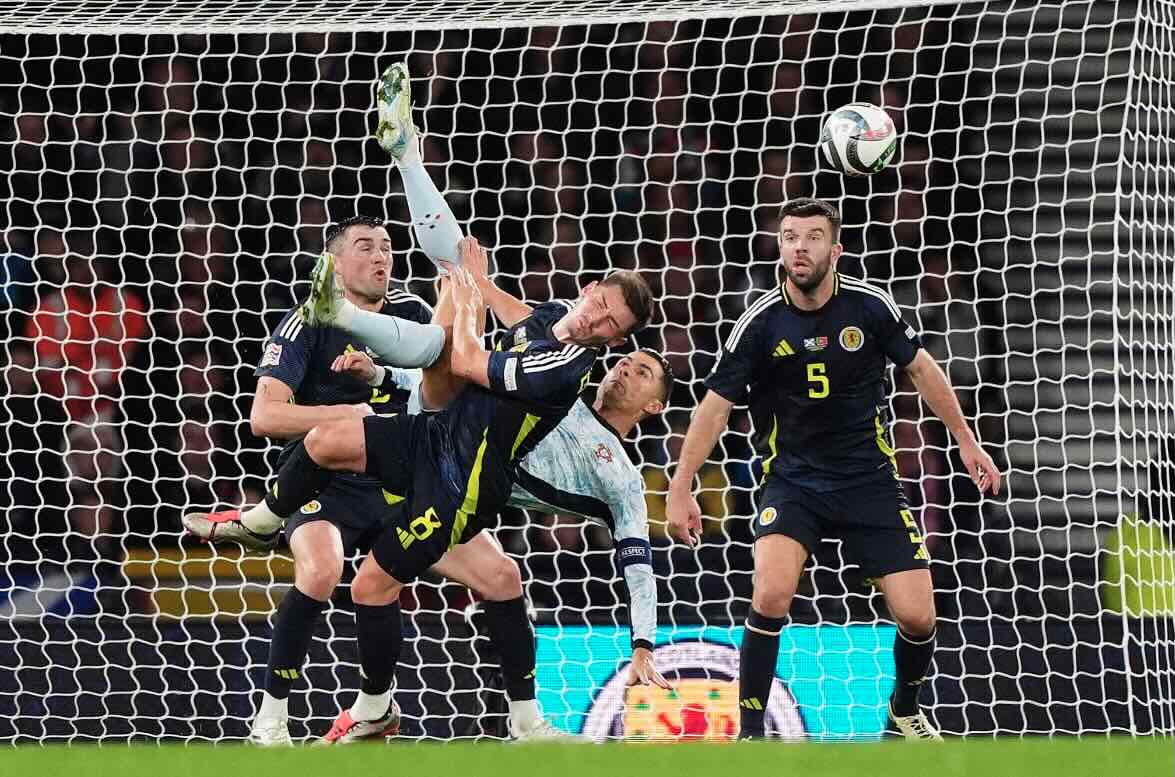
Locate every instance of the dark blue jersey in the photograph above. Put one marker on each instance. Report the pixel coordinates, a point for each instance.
(535, 380)
(815, 381)
(300, 356)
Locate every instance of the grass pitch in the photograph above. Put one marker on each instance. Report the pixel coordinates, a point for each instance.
(1089, 757)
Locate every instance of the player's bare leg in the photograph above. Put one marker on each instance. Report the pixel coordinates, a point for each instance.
(318, 566)
(779, 562)
(910, 598)
(376, 595)
(339, 445)
(481, 565)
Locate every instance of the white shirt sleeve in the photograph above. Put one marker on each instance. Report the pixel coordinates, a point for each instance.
(635, 555)
(410, 380)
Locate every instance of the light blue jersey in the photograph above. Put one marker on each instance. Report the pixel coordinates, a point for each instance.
(581, 468)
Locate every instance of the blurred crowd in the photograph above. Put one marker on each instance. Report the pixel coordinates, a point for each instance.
(165, 195)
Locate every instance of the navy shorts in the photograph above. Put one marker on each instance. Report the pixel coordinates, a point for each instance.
(357, 507)
(872, 519)
(407, 458)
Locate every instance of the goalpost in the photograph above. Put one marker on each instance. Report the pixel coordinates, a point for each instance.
(166, 173)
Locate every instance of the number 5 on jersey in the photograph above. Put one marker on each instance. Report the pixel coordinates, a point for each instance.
(819, 379)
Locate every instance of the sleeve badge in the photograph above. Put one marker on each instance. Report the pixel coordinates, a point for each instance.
(272, 356)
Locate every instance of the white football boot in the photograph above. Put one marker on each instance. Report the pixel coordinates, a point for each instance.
(396, 133)
(270, 732)
(915, 727)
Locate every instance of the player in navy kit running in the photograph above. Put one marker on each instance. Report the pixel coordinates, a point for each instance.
(809, 358)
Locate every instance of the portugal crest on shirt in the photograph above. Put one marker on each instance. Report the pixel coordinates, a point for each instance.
(851, 338)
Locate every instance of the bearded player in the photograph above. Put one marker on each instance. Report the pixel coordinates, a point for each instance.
(809, 358)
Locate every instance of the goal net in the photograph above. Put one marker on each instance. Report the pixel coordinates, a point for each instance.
(167, 171)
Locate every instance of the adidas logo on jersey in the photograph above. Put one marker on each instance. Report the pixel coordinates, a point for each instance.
(784, 349)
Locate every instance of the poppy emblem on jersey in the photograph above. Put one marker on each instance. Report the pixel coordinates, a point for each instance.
(851, 338)
(604, 454)
(272, 356)
(312, 507)
(767, 517)
(815, 343)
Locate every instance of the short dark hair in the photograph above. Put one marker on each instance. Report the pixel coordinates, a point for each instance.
(637, 296)
(336, 231)
(667, 377)
(809, 206)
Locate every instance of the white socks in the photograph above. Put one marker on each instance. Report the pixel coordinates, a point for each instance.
(273, 708)
(523, 714)
(346, 314)
(259, 519)
(433, 223)
(371, 706)
(398, 341)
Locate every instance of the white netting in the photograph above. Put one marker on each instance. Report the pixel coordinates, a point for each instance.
(1143, 337)
(165, 182)
(201, 16)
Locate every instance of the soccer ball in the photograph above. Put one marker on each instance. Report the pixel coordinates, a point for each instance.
(859, 139)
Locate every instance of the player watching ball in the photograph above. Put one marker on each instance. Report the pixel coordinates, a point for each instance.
(809, 358)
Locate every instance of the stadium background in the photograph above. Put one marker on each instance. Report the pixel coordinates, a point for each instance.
(195, 174)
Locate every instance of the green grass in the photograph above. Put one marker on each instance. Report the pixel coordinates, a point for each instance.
(986, 758)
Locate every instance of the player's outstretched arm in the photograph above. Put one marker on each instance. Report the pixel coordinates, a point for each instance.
(682, 510)
(642, 614)
(634, 556)
(440, 385)
(506, 307)
(934, 387)
(471, 361)
(273, 415)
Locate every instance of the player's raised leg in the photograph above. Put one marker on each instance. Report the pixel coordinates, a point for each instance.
(779, 561)
(318, 566)
(481, 565)
(374, 714)
(402, 343)
(338, 446)
(910, 597)
(433, 223)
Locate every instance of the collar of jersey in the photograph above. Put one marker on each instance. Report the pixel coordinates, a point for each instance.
(603, 423)
(787, 298)
(550, 335)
